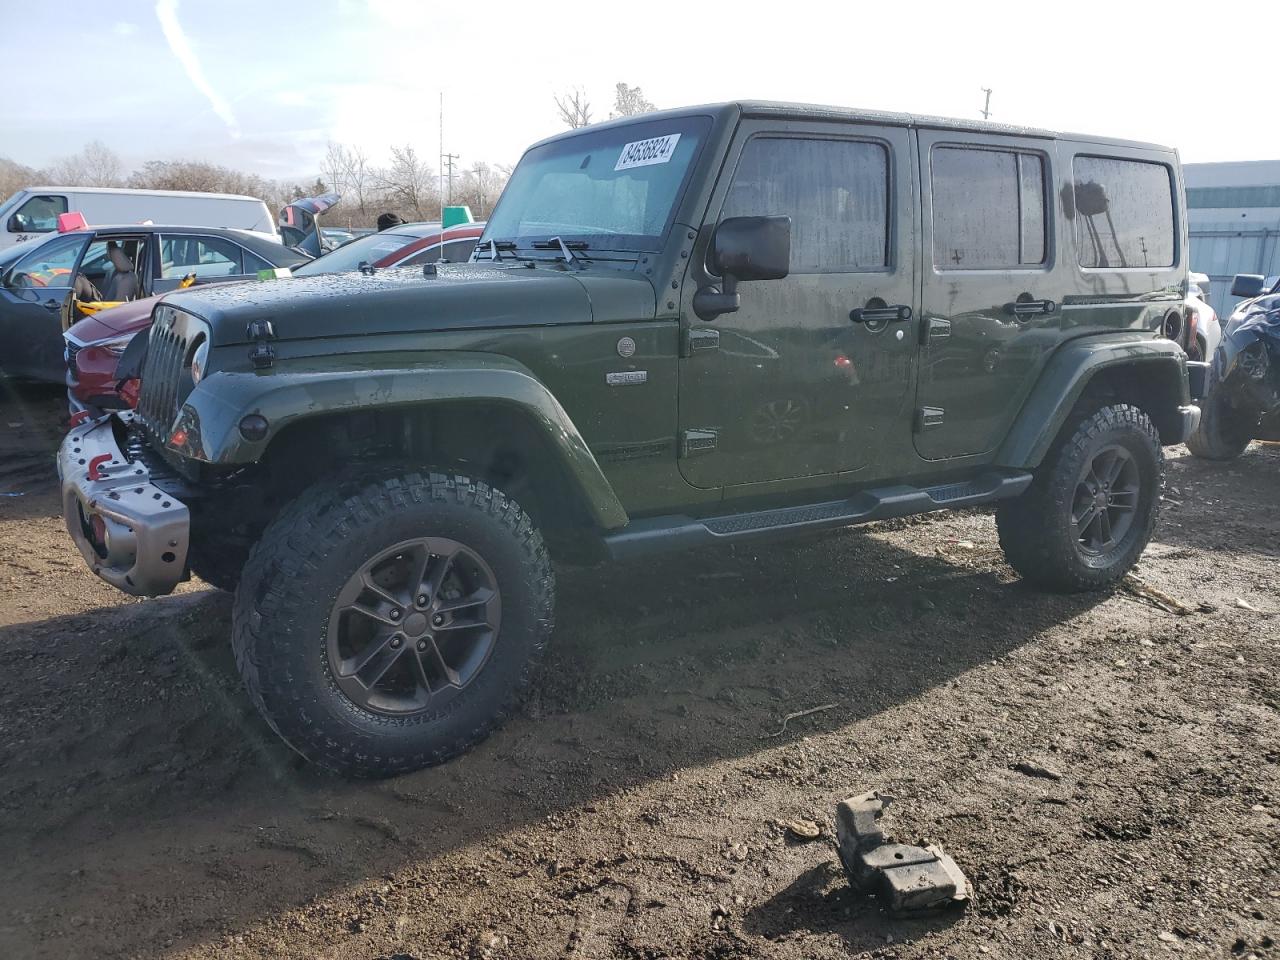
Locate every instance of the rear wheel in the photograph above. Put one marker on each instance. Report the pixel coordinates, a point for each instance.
(382, 627)
(1089, 513)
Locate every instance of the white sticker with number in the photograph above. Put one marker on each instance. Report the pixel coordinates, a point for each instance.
(644, 153)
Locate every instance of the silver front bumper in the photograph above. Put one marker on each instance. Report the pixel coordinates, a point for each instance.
(140, 543)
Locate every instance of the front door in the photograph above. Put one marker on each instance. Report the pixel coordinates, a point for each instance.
(812, 376)
(35, 295)
(992, 291)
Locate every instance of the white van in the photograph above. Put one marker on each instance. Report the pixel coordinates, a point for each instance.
(34, 211)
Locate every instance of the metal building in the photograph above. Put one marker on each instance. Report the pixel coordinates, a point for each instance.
(1233, 212)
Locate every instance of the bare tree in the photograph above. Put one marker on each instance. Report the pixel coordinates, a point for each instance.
(15, 177)
(574, 109)
(335, 166)
(94, 166)
(200, 176)
(629, 102)
(347, 171)
(481, 186)
(409, 184)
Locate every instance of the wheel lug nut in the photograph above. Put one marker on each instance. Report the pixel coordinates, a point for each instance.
(437, 620)
(422, 644)
(395, 614)
(422, 600)
(395, 642)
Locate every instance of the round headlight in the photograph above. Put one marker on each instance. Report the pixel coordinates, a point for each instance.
(199, 360)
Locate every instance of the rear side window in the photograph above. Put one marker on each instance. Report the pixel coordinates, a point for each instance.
(835, 191)
(206, 257)
(988, 209)
(1124, 213)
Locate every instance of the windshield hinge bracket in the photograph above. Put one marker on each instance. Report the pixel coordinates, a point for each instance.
(694, 442)
(697, 339)
(261, 332)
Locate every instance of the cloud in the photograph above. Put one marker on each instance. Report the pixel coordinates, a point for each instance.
(167, 14)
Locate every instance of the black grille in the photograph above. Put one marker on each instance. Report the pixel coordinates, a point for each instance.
(72, 350)
(166, 378)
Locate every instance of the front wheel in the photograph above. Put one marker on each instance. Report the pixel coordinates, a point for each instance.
(385, 626)
(1223, 432)
(1089, 513)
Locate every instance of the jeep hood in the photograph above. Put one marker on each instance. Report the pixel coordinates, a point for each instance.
(460, 296)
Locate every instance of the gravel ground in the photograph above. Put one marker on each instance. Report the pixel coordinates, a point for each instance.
(634, 807)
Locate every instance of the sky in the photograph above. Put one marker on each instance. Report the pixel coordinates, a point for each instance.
(262, 86)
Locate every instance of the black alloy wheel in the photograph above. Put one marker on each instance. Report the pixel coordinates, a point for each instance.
(413, 626)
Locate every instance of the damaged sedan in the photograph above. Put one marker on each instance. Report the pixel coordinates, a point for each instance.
(1242, 398)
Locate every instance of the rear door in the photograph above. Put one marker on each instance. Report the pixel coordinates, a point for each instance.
(212, 258)
(992, 285)
(796, 383)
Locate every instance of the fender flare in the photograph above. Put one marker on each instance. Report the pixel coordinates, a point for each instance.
(293, 390)
(1065, 378)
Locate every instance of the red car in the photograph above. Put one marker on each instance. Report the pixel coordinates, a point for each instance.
(94, 345)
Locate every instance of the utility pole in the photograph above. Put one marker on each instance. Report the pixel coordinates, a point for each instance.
(986, 107)
(446, 162)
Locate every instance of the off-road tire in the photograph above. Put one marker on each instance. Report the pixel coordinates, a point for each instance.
(217, 563)
(1223, 432)
(290, 584)
(1037, 533)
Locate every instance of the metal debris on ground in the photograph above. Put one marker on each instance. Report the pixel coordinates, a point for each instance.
(907, 879)
(796, 716)
(1145, 591)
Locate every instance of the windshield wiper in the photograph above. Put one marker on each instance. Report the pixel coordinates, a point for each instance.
(567, 248)
(495, 248)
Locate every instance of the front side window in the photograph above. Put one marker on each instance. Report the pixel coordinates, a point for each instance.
(611, 189)
(988, 209)
(206, 257)
(38, 215)
(835, 191)
(53, 264)
(1124, 213)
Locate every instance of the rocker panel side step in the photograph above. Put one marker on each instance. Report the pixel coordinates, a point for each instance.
(660, 534)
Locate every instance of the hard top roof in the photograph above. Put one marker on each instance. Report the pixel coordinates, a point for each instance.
(819, 112)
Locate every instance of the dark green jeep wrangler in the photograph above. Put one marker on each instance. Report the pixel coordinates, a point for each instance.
(691, 328)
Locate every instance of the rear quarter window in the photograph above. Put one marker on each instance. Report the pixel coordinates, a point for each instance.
(1123, 213)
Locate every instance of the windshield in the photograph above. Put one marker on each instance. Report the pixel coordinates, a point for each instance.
(349, 256)
(612, 189)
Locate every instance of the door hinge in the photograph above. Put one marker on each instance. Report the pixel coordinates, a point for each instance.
(694, 442)
(934, 329)
(927, 417)
(697, 339)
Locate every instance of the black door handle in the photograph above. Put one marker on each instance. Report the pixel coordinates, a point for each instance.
(52, 305)
(879, 313)
(1024, 306)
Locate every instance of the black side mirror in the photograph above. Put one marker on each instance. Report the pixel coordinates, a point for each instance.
(744, 248)
(1247, 285)
(15, 224)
